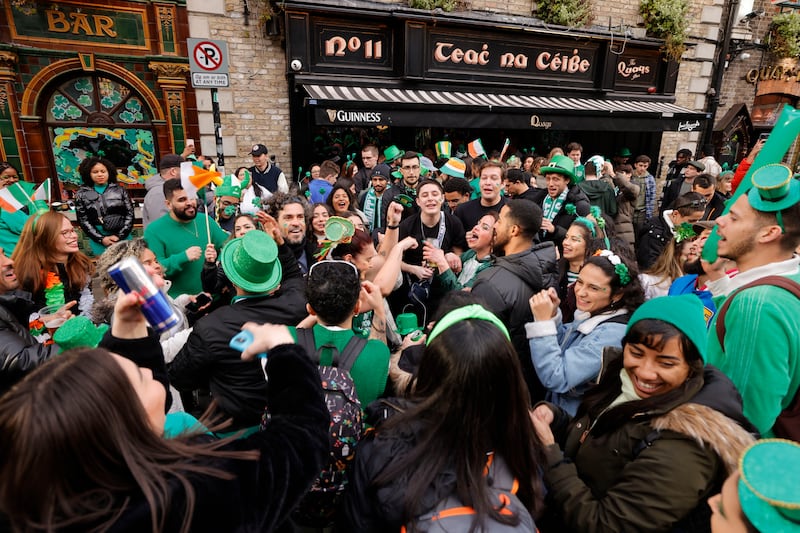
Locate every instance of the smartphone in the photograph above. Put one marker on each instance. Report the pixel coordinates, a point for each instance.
(763, 137)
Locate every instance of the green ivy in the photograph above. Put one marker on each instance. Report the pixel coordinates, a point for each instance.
(570, 13)
(668, 20)
(446, 5)
(785, 35)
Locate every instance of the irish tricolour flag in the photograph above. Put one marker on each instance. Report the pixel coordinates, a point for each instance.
(16, 196)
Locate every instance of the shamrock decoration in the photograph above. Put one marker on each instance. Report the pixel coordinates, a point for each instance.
(684, 231)
(570, 209)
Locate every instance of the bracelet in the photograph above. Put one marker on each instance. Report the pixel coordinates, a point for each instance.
(393, 227)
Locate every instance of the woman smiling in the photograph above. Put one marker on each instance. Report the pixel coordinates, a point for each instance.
(654, 439)
(567, 356)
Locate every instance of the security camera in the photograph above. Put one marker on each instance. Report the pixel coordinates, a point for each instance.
(296, 65)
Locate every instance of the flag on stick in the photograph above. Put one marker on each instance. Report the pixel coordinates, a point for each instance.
(475, 149)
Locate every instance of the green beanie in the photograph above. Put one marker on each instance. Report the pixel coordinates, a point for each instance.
(685, 312)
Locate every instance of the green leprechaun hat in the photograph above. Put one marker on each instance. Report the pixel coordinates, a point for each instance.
(774, 190)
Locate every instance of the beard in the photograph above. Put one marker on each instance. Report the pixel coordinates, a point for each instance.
(185, 214)
(499, 246)
(693, 267)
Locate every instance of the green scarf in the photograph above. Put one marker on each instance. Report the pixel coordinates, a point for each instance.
(552, 206)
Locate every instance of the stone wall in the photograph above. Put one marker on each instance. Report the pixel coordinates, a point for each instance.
(255, 109)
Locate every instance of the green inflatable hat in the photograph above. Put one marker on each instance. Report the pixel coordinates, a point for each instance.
(79, 332)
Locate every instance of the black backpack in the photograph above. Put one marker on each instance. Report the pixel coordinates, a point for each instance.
(318, 507)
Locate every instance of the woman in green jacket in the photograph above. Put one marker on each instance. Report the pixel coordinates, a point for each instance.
(655, 438)
(477, 258)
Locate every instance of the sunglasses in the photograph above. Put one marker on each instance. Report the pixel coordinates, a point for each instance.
(698, 204)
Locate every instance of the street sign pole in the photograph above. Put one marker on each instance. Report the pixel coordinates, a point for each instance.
(217, 130)
(208, 65)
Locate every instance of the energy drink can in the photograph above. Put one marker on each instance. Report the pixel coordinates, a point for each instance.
(131, 276)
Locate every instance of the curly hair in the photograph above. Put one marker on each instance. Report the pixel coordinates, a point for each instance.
(86, 166)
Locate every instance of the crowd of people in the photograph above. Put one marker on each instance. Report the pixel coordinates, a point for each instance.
(434, 340)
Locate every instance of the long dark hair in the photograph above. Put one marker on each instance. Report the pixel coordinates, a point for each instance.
(632, 293)
(654, 334)
(76, 427)
(471, 399)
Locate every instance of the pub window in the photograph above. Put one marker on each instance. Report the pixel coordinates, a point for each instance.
(99, 116)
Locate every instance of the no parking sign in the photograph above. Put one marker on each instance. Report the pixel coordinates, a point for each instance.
(208, 63)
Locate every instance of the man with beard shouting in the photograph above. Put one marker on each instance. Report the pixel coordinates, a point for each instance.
(521, 270)
(293, 214)
(179, 240)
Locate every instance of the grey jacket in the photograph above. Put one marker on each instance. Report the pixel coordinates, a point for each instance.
(154, 202)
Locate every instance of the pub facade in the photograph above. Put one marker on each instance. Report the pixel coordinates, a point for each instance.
(107, 79)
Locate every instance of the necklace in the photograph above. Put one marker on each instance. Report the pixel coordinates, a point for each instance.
(196, 235)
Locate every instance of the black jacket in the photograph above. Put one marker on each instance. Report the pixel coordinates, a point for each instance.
(715, 207)
(672, 190)
(506, 288)
(563, 220)
(207, 360)
(651, 241)
(19, 351)
(113, 207)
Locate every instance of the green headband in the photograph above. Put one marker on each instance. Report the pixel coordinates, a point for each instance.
(473, 311)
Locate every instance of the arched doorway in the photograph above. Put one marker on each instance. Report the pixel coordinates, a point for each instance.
(96, 114)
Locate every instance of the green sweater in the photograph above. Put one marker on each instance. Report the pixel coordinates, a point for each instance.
(169, 240)
(371, 368)
(762, 350)
(11, 228)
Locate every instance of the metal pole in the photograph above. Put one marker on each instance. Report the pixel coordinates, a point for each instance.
(217, 130)
(716, 85)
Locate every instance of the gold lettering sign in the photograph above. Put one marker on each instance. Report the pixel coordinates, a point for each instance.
(79, 23)
(447, 52)
(773, 72)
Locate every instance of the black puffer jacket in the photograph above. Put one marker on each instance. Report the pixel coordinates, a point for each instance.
(506, 288)
(19, 351)
(113, 207)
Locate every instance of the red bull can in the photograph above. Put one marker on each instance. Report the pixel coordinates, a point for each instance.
(131, 276)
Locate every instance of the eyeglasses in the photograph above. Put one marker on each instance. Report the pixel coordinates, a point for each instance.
(410, 167)
(332, 261)
(67, 232)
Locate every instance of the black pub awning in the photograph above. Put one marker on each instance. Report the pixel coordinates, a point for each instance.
(351, 105)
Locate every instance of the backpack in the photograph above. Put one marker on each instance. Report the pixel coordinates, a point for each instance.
(451, 514)
(787, 425)
(318, 506)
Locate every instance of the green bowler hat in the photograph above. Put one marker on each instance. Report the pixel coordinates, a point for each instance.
(251, 262)
(773, 189)
(79, 332)
(561, 164)
(768, 491)
(392, 153)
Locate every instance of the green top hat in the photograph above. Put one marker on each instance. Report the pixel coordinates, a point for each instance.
(768, 474)
(403, 199)
(773, 189)
(79, 332)
(392, 153)
(251, 262)
(561, 164)
(454, 167)
(406, 323)
(443, 149)
(231, 186)
(625, 151)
